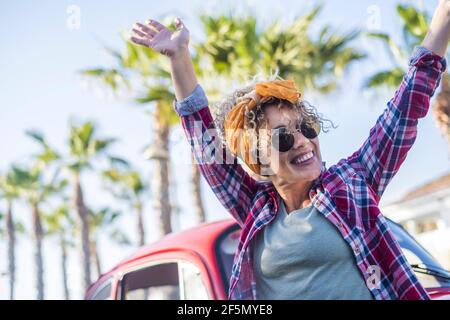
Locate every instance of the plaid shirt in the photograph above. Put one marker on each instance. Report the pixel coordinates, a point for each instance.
(347, 193)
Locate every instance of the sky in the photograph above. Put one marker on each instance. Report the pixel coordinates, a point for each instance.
(43, 46)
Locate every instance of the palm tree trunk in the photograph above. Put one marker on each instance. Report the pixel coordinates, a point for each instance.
(11, 250)
(140, 223)
(83, 222)
(37, 238)
(441, 108)
(63, 247)
(96, 258)
(160, 156)
(197, 194)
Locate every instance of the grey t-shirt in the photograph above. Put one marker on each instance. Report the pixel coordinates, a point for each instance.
(301, 255)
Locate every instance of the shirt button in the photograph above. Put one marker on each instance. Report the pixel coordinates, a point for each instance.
(357, 250)
(339, 225)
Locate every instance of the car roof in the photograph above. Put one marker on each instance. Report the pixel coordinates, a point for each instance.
(199, 239)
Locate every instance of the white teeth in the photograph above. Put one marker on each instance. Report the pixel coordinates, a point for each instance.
(303, 158)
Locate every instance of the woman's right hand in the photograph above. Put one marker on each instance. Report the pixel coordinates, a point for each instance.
(154, 35)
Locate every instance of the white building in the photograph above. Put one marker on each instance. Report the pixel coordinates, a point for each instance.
(425, 213)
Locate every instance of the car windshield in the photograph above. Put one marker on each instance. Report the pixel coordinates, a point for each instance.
(429, 272)
(421, 260)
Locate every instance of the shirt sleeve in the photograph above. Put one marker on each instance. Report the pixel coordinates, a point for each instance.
(231, 184)
(395, 131)
(193, 103)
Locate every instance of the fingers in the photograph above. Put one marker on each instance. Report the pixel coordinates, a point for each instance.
(179, 24)
(145, 33)
(142, 34)
(144, 29)
(139, 33)
(141, 41)
(158, 26)
(140, 37)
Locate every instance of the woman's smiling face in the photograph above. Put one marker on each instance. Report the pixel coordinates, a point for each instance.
(303, 162)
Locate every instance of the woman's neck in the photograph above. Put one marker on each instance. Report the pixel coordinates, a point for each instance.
(295, 196)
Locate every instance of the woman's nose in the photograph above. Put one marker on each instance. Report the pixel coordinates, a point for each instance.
(299, 140)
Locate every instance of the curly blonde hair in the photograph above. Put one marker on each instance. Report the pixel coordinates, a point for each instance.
(256, 117)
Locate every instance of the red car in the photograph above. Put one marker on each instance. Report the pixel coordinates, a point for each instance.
(196, 264)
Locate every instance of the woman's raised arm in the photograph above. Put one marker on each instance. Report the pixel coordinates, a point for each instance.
(395, 131)
(234, 187)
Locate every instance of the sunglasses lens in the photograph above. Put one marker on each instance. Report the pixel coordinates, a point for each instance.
(310, 130)
(282, 140)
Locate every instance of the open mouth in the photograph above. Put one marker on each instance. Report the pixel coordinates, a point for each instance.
(303, 159)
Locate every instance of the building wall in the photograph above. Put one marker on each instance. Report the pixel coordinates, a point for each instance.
(426, 218)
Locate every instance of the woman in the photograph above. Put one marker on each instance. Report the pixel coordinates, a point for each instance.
(308, 232)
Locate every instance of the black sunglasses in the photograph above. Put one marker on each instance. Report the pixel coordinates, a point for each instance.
(283, 139)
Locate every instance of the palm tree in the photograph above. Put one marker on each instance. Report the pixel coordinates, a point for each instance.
(61, 225)
(35, 189)
(85, 147)
(238, 49)
(36, 184)
(18, 229)
(10, 192)
(99, 220)
(128, 186)
(415, 27)
(3, 235)
(196, 188)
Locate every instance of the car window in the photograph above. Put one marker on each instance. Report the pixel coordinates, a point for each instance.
(157, 282)
(193, 287)
(416, 254)
(426, 280)
(165, 281)
(226, 246)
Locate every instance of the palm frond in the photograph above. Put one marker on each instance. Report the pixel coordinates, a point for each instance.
(388, 78)
(394, 49)
(113, 78)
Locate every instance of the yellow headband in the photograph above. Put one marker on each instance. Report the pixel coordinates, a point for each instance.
(237, 138)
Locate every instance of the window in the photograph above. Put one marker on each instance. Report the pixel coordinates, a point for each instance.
(416, 254)
(426, 280)
(226, 246)
(164, 281)
(103, 292)
(193, 287)
(159, 282)
(426, 225)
